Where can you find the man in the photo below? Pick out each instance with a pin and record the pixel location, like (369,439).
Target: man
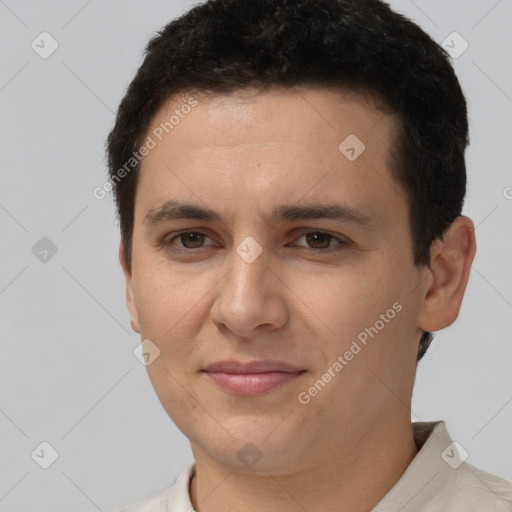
(289,177)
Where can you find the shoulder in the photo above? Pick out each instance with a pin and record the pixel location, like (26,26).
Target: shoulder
(156,502)
(470,489)
(440,479)
(173,498)
(461,487)
(457,486)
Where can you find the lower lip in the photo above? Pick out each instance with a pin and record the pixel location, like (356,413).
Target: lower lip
(251,384)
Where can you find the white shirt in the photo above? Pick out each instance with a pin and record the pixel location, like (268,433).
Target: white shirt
(437,480)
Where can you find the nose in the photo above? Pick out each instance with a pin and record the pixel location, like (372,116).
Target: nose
(250,299)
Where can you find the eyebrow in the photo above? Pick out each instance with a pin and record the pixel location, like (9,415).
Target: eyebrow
(175,210)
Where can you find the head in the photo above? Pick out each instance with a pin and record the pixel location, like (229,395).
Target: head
(261,119)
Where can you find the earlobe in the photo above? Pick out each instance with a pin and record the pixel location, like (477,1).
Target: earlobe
(450,264)
(130,301)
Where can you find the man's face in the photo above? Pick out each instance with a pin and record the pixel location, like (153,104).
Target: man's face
(264,163)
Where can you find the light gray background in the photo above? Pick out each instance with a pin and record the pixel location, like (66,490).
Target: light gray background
(68,375)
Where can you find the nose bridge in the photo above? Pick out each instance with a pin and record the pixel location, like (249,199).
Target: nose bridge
(245,284)
(247,297)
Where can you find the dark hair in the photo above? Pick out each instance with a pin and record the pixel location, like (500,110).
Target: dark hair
(225,45)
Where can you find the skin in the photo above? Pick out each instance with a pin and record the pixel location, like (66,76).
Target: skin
(242,155)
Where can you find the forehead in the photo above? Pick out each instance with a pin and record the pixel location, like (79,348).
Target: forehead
(292,115)
(296,141)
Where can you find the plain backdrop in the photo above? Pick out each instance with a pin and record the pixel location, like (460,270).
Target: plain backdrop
(68,375)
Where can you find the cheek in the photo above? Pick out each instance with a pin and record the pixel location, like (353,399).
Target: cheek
(342,303)
(168,305)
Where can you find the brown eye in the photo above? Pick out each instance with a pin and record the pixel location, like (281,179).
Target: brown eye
(188,243)
(191,239)
(318,240)
(321,242)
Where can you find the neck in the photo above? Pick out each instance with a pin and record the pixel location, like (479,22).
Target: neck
(358,478)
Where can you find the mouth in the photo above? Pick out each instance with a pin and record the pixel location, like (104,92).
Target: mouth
(252,378)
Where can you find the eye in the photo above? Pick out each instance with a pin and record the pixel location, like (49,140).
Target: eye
(187,240)
(315,242)
(319,241)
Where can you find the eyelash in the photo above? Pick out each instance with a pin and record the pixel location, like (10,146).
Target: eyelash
(167,243)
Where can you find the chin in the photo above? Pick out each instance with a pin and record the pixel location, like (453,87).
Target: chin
(252,445)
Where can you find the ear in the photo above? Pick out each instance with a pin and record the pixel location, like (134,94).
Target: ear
(450,263)
(130,302)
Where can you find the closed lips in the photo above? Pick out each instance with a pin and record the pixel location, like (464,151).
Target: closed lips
(252,367)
